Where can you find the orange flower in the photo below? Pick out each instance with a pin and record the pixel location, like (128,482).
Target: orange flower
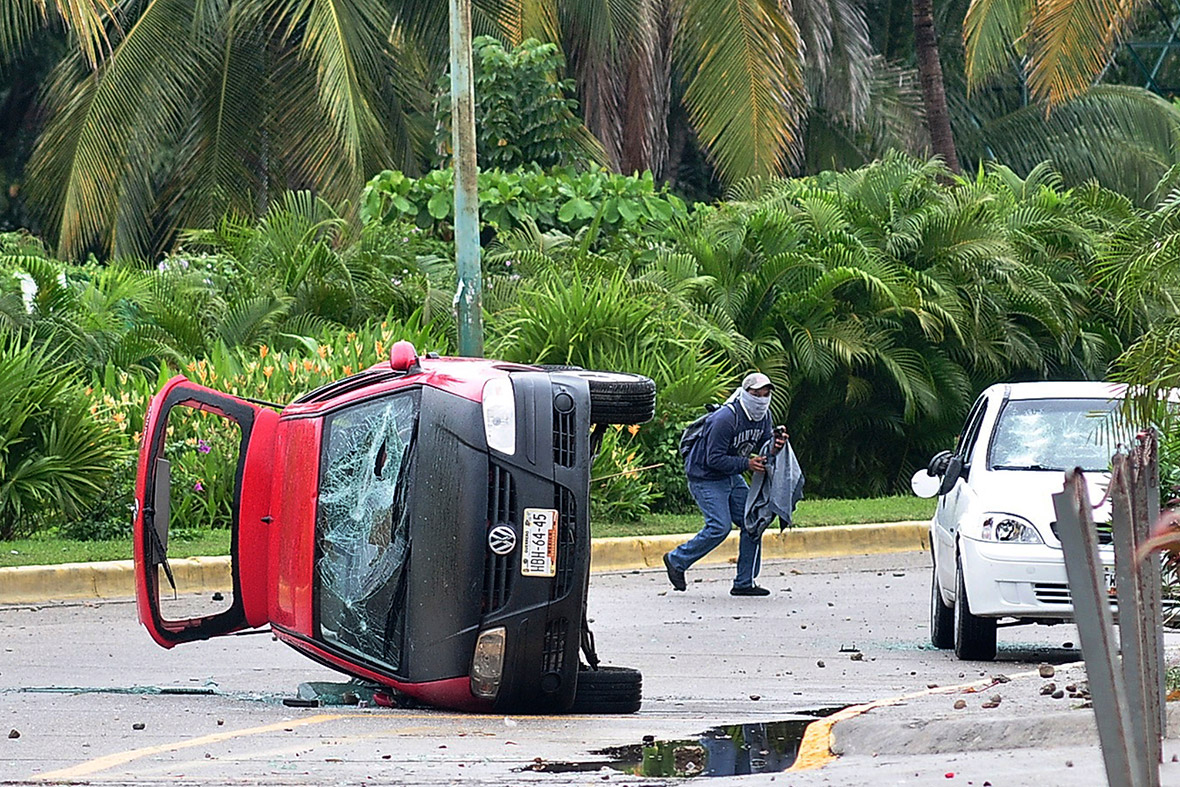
(308,366)
(263,351)
(347,369)
(633,429)
(291,367)
(268,371)
(322,351)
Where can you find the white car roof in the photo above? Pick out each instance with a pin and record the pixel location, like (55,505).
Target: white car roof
(1071,389)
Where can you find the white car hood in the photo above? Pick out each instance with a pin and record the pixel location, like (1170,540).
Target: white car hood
(1029,493)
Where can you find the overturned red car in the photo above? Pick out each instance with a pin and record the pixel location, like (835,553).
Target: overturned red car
(422,525)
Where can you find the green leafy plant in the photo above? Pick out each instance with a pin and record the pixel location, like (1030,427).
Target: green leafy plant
(620,489)
(54,454)
(522,113)
(625,210)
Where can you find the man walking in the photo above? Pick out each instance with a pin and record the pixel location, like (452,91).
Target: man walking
(714,466)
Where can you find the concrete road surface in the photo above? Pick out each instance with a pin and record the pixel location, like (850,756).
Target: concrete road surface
(89,698)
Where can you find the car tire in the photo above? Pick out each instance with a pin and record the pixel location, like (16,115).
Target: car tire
(608,690)
(942,617)
(975,637)
(620,398)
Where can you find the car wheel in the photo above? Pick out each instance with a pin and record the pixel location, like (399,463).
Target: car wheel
(619,398)
(608,690)
(975,637)
(942,617)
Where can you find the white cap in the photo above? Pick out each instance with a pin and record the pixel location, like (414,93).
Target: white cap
(756,380)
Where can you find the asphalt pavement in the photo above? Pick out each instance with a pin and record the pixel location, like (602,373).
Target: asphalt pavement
(93,700)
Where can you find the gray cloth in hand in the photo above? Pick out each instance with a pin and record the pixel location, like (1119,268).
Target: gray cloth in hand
(775,492)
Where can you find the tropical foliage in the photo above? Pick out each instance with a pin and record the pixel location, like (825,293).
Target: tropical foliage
(524,115)
(251,98)
(879,300)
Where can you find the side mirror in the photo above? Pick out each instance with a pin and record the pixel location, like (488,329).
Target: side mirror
(939,477)
(924,484)
(954,469)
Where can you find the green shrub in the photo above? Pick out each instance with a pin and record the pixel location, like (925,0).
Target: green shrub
(628,209)
(55,455)
(522,115)
(620,489)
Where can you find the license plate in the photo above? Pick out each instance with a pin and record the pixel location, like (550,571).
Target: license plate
(539,557)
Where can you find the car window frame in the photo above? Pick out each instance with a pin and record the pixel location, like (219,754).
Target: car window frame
(972,428)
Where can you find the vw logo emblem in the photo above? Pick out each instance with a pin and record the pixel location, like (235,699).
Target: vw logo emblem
(501,539)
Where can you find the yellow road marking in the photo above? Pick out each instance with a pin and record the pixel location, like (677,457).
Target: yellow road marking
(815,750)
(122,758)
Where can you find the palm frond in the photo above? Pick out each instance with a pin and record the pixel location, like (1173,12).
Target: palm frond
(1069,42)
(991,34)
(745,93)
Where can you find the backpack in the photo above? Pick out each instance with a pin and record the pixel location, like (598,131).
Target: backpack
(696,430)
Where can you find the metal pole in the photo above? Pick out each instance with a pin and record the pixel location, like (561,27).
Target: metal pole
(1091,605)
(469,295)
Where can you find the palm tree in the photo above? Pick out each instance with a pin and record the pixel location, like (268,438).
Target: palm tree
(933,90)
(170,113)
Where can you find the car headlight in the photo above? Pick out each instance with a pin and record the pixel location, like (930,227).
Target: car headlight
(487,665)
(499,415)
(1010,529)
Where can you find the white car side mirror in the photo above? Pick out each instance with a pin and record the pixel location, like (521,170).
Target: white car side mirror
(924,484)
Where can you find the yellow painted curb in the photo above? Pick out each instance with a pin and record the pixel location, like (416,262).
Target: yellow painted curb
(110,579)
(613,554)
(116,579)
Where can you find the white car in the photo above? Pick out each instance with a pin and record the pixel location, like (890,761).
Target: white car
(996,552)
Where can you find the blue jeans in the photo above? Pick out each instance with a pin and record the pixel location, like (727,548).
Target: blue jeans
(724,505)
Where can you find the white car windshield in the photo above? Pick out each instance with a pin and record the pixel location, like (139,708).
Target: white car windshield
(1056,434)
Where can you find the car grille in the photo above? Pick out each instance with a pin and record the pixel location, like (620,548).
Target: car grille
(565,444)
(1103,530)
(498,571)
(1052,592)
(1057,593)
(566,519)
(553,654)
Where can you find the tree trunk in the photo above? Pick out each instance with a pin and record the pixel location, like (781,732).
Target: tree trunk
(938,120)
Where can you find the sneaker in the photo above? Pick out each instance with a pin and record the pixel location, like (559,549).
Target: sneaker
(675,575)
(752,590)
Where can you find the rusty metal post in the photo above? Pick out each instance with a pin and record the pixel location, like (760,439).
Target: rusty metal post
(1132,625)
(1079,541)
(1145,503)
(469,295)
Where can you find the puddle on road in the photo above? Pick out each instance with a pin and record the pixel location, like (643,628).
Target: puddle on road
(725,750)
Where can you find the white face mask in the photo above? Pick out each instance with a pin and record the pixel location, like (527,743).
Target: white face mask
(756,407)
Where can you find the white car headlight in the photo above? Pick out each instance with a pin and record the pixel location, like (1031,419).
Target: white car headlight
(499,415)
(1010,529)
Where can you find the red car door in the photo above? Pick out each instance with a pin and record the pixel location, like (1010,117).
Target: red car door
(250,431)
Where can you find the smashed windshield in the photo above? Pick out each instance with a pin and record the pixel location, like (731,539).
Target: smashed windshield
(1056,434)
(362,526)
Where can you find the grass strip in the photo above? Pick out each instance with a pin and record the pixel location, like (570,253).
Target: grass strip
(47,549)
